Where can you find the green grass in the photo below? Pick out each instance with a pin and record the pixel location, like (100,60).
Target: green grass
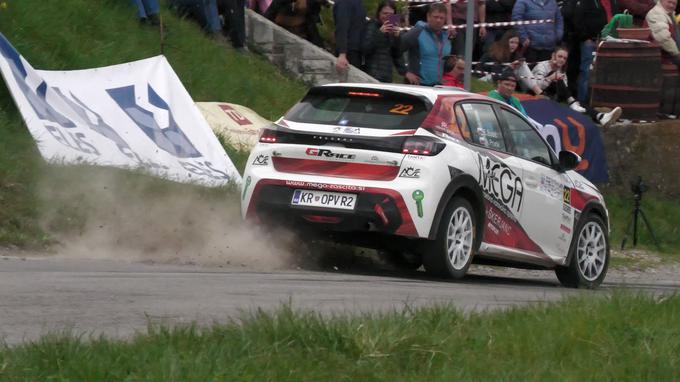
(620,337)
(77,34)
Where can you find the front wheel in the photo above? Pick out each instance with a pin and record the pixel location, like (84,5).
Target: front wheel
(450,254)
(589,257)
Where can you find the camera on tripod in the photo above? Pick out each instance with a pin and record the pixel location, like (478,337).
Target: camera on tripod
(637,187)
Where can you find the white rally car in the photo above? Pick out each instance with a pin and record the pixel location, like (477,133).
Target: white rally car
(437,177)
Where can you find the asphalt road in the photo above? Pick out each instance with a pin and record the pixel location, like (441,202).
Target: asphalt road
(43,294)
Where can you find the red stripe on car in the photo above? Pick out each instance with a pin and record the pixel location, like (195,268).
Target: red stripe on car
(336,169)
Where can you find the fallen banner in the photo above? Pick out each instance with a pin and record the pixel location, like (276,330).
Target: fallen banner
(238,124)
(136,115)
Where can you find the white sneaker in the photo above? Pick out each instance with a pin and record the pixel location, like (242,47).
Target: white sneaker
(608,118)
(575,106)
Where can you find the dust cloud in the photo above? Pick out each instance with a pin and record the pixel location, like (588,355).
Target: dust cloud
(97,213)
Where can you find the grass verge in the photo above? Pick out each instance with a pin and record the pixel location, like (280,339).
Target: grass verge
(619,337)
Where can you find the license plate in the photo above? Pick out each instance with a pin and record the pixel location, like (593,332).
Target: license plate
(324,199)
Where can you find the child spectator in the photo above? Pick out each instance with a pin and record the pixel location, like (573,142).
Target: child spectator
(454,68)
(381,45)
(504,53)
(551,77)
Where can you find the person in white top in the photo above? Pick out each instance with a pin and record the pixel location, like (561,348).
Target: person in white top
(551,77)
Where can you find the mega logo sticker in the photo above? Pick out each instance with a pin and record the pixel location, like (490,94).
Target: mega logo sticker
(500,183)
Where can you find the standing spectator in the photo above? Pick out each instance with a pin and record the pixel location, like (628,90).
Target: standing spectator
(203,11)
(665,31)
(234,15)
(506,83)
(298,17)
(381,44)
(454,68)
(539,40)
(147,11)
(551,77)
(637,8)
(350,18)
(588,17)
(497,11)
(506,53)
(459,16)
(427,43)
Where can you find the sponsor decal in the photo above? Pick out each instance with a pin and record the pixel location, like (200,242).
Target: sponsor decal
(566,218)
(415,157)
(374,158)
(500,183)
(351,130)
(566,195)
(563,237)
(497,221)
(276,154)
(493,228)
(324,186)
(410,172)
(392,162)
(551,187)
(566,208)
(235,115)
(245,187)
(565,229)
(418,196)
(328,153)
(261,160)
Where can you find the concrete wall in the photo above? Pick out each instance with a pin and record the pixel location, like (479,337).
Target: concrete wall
(295,55)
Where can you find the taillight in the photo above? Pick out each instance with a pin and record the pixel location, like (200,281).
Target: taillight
(422,146)
(268,135)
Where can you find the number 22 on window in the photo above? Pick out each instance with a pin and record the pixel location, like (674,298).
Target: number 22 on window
(401,109)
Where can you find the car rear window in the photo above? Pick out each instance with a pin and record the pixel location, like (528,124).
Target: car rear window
(360,107)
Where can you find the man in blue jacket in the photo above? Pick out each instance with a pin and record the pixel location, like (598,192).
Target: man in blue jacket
(538,40)
(427,43)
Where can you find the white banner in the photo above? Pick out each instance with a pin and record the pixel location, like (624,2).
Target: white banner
(238,124)
(135,115)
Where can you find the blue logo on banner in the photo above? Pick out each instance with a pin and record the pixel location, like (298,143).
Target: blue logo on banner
(171,139)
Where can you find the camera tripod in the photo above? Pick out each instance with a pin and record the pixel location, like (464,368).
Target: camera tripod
(633,223)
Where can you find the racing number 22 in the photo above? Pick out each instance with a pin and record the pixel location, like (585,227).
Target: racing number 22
(401,109)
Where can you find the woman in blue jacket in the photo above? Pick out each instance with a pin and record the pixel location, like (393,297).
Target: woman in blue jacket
(538,40)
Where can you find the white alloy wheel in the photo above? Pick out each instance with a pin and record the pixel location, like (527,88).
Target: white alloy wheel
(459,239)
(591,251)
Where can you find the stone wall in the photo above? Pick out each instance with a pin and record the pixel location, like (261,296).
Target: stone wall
(295,55)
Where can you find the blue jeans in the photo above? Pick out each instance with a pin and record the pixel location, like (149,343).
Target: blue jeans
(204,11)
(146,8)
(587,50)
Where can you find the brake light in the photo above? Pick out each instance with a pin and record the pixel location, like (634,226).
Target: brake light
(268,136)
(422,146)
(364,94)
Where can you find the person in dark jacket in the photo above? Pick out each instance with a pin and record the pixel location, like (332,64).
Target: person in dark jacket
(381,44)
(637,8)
(299,17)
(350,19)
(587,17)
(538,40)
(427,44)
(497,11)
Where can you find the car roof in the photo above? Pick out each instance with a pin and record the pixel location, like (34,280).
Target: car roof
(429,92)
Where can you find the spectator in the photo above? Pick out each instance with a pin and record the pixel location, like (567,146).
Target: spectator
(203,11)
(551,77)
(506,83)
(234,15)
(427,44)
(381,45)
(454,68)
(349,17)
(538,40)
(637,8)
(506,53)
(665,31)
(497,11)
(259,6)
(459,16)
(147,11)
(299,17)
(588,18)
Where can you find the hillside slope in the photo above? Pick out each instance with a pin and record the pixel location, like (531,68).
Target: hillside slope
(77,34)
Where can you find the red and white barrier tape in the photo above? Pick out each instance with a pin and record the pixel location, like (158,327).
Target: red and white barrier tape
(492,25)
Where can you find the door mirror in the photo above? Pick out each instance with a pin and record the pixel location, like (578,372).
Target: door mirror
(569,160)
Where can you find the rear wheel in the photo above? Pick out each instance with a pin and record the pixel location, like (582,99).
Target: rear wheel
(589,259)
(450,254)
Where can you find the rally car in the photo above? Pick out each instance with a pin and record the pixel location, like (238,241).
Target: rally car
(437,177)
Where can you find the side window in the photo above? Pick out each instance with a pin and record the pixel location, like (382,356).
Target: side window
(527,142)
(483,126)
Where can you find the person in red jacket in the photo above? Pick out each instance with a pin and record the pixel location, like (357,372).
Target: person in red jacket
(454,67)
(637,8)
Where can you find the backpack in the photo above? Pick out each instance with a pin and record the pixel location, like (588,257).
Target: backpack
(620,20)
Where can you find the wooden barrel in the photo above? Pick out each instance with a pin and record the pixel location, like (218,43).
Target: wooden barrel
(627,75)
(670,93)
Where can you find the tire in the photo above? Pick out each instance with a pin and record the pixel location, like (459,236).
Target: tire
(588,256)
(451,253)
(401,260)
